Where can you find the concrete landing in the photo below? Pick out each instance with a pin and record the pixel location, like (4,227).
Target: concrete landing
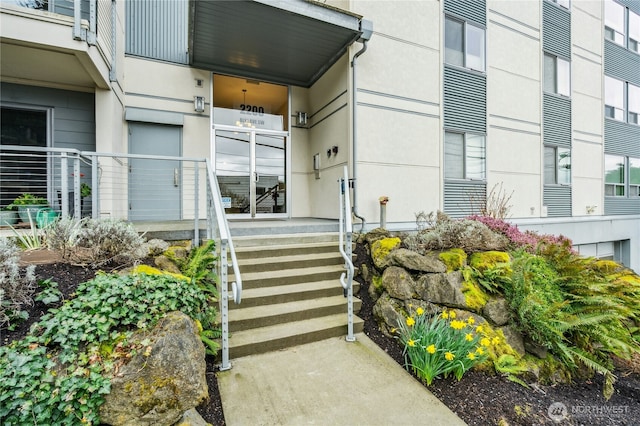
(331,382)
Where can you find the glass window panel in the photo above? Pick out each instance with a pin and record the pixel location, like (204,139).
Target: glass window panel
(475,157)
(614,169)
(634,100)
(564,77)
(634,30)
(453,42)
(634,171)
(614,19)
(549,165)
(564,166)
(549,73)
(453,155)
(475,48)
(614,96)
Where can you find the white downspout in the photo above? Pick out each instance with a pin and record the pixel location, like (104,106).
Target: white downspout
(355,135)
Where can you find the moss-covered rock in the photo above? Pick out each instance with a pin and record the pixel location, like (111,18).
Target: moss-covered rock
(398,283)
(380,250)
(150,270)
(454,259)
(474,296)
(416,262)
(488,259)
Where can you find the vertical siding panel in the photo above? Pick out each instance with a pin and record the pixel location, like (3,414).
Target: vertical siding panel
(556,34)
(557,120)
(558,200)
(463,198)
(621,63)
(158,29)
(104,28)
(472,10)
(465,100)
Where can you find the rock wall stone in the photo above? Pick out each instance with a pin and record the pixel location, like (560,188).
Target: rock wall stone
(157,389)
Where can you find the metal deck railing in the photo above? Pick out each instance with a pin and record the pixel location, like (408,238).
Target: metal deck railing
(132,187)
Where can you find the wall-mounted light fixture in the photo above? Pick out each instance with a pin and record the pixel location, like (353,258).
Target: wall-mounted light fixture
(198,103)
(301,118)
(334,149)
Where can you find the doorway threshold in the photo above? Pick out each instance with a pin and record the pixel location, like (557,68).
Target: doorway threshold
(298,225)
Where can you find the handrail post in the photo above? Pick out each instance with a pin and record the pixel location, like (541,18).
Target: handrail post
(345,250)
(224,305)
(77,213)
(196,206)
(95,188)
(64,185)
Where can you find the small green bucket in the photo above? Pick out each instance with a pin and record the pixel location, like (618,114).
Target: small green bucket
(45,217)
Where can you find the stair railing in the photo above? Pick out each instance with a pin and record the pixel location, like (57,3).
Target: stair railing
(217,225)
(345,239)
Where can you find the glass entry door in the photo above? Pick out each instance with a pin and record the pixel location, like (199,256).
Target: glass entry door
(251,166)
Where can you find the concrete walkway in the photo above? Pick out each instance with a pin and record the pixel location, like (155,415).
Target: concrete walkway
(331,382)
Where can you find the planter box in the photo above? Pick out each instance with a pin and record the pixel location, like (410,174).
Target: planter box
(30,209)
(8,217)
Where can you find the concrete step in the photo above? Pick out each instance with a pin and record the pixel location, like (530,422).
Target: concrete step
(291,292)
(275,337)
(266,315)
(290,276)
(284,239)
(279,263)
(253,252)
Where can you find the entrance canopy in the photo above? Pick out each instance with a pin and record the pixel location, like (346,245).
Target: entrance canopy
(290,42)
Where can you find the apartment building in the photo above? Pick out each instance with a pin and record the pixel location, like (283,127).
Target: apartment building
(434,104)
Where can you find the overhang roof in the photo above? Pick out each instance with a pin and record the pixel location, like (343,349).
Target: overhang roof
(282,41)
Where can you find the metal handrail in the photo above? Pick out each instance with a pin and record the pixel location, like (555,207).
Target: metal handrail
(345,245)
(226,244)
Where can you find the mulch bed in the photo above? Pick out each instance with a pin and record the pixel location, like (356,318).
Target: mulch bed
(479,398)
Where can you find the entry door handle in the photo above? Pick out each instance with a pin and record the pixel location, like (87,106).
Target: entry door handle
(175,177)
(256,177)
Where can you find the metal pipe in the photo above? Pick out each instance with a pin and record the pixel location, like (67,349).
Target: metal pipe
(355,133)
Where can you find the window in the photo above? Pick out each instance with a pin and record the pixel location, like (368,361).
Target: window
(634,177)
(464,156)
(614,22)
(557,75)
(557,165)
(634,103)
(634,32)
(620,21)
(613,98)
(614,176)
(617,96)
(464,44)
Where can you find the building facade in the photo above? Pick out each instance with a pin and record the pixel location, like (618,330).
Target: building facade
(437,105)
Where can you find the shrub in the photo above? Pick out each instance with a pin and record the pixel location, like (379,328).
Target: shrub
(468,235)
(60,372)
(110,241)
(527,240)
(437,345)
(16,289)
(63,235)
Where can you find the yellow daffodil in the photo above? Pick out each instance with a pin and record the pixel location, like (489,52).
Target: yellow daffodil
(458,325)
(419,311)
(471,356)
(452,315)
(410,321)
(411,342)
(485,342)
(470,321)
(431,349)
(444,315)
(449,356)
(468,337)
(480,351)
(495,341)
(393,330)
(479,329)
